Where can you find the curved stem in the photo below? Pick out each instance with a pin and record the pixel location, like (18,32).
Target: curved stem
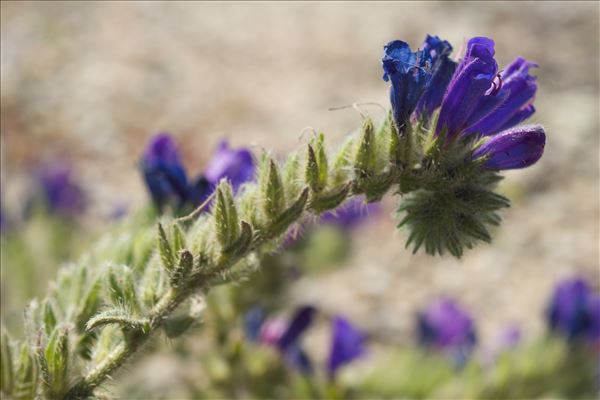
(176,295)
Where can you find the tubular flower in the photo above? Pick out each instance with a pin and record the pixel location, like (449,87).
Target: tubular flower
(517,88)
(574,311)
(445,326)
(236,165)
(441,72)
(514,148)
(465,100)
(347,344)
(283,335)
(62,194)
(408,73)
(163,171)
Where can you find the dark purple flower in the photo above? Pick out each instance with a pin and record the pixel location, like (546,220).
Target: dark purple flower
(408,73)
(514,148)
(518,88)
(466,93)
(441,72)
(283,335)
(444,325)
(574,311)
(481,101)
(235,165)
(350,213)
(347,344)
(61,192)
(163,172)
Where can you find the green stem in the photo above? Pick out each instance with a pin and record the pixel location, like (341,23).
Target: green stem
(175,296)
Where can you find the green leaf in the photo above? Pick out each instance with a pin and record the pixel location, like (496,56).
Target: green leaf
(184,266)
(6,364)
(312,173)
(122,288)
(273,194)
(57,361)
(364,161)
(90,304)
(49,317)
(225,215)
(178,239)
(165,250)
(26,378)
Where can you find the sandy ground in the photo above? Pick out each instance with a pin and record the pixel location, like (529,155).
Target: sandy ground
(89,82)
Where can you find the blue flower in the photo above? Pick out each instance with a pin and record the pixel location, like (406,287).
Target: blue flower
(408,73)
(284,335)
(444,325)
(481,101)
(514,148)
(465,100)
(237,165)
(574,311)
(347,344)
(517,88)
(62,194)
(441,72)
(163,172)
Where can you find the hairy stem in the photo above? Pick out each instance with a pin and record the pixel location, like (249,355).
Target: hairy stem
(373,186)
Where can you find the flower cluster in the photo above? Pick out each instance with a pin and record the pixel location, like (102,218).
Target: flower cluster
(167,180)
(347,342)
(574,311)
(473,97)
(444,325)
(61,193)
(456,125)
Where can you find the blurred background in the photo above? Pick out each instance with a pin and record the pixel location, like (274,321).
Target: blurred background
(89,83)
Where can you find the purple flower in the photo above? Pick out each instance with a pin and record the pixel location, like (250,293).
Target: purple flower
(481,101)
(518,89)
(514,148)
(441,72)
(445,326)
(284,335)
(235,165)
(163,172)
(468,97)
(350,213)
(61,192)
(574,311)
(408,73)
(347,344)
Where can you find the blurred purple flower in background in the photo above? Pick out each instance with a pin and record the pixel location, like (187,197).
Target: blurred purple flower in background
(574,311)
(351,213)
(518,147)
(166,178)
(347,344)
(163,172)
(445,326)
(283,335)
(61,193)
(237,165)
